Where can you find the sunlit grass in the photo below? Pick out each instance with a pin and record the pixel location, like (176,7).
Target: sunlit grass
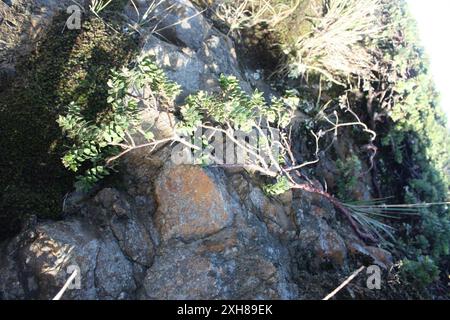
(369,213)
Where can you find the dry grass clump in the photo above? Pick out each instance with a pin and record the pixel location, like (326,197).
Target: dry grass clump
(250,13)
(338,43)
(333,38)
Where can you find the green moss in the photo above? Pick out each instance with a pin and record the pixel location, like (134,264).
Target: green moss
(347,179)
(73,65)
(421,272)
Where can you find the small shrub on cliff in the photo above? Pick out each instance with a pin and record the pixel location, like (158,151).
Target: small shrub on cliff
(95,141)
(269,153)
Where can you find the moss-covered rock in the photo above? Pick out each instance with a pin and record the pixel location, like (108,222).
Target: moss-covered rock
(67,65)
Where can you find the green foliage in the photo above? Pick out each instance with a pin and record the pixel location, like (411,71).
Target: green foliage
(234,108)
(94,142)
(421,272)
(349,171)
(280,110)
(416,144)
(281,186)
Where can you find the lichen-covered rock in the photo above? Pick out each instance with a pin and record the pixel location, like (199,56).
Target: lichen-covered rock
(117,249)
(220,269)
(179,273)
(191,204)
(323,243)
(319,243)
(373,255)
(274,214)
(128,230)
(238,260)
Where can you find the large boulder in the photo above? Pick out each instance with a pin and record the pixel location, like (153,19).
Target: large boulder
(191,204)
(213,247)
(191,51)
(200,243)
(200,238)
(196,70)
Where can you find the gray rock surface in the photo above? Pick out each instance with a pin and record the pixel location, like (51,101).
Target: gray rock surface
(199,69)
(191,51)
(200,238)
(104,240)
(209,247)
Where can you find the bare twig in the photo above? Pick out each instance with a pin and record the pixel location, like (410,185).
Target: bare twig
(346,282)
(66,285)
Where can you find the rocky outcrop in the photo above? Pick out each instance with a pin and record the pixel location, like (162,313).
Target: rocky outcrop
(199,238)
(185,232)
(200,243)
(106,241)
(196,69)
(212,246)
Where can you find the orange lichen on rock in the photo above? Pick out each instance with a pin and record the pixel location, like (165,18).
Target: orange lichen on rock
(191,205)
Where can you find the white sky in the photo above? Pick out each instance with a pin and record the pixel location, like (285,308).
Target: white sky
(434,27)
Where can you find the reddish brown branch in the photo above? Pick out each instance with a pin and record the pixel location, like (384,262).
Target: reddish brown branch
(365,236)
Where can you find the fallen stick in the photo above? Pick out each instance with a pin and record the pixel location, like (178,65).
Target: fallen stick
(332,294)
(66,285)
